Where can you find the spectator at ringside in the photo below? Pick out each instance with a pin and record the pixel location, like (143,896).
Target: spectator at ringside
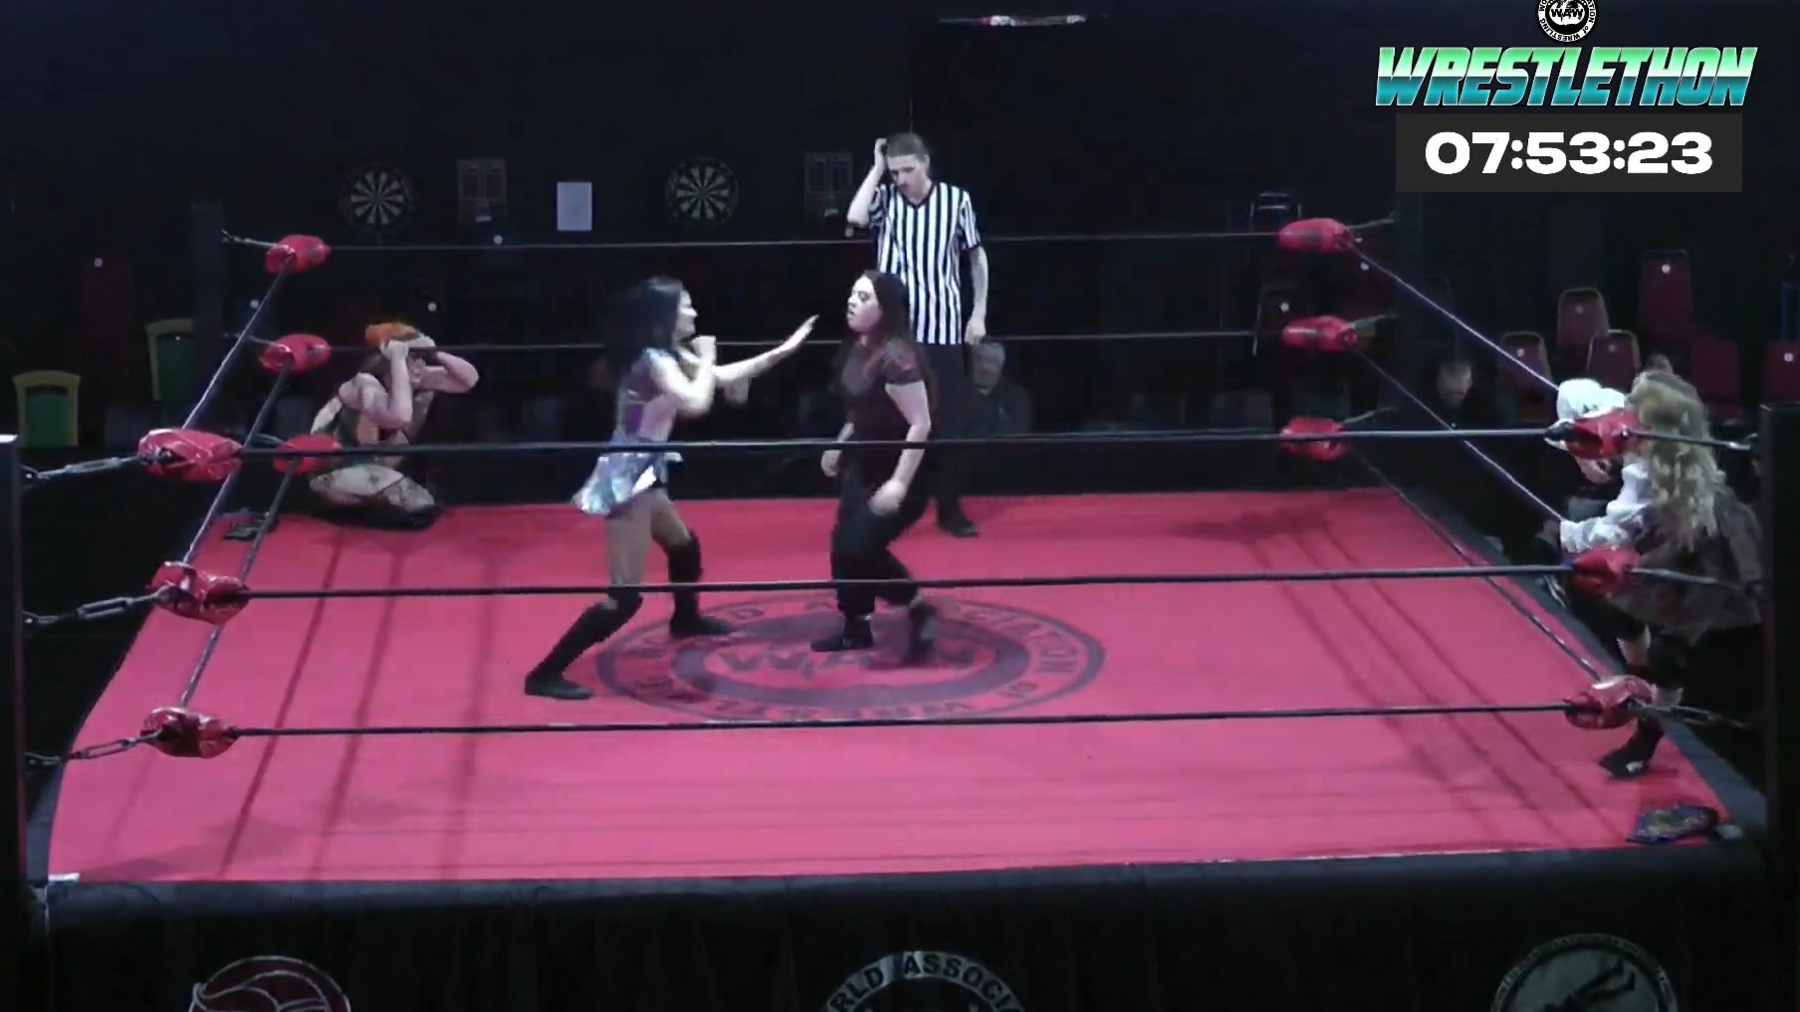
(1001,406)
(1456,400)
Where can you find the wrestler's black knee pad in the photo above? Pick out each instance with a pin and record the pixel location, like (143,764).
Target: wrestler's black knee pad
(684,561)
(625,603)
(608,616)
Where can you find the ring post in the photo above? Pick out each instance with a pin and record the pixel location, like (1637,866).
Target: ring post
(1779,440)
(14,939)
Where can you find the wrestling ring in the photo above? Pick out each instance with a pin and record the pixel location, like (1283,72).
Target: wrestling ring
(1247,701)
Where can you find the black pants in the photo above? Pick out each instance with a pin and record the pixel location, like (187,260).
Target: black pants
(861,540)
(950,420)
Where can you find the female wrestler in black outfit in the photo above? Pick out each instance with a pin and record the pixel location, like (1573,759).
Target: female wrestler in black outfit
(888,395)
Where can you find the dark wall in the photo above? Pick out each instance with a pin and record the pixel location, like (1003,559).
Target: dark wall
(1162,117)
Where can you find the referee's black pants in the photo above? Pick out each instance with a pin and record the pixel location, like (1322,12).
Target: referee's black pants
(950,420)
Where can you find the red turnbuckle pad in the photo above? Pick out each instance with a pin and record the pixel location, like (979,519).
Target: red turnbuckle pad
(1604,570)
(196,594)
(1611,703)
(1315,235)
(187,734)
(295,353)
(297,253)
(1601,436)
(306,442)
(188,454)
(1314,449)
(1321,333)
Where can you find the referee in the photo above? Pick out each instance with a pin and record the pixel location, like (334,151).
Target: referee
(923,231)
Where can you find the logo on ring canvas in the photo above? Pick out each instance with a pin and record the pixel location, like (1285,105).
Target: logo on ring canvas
(269,984)
(924,982)
(1587,972)
(989,659)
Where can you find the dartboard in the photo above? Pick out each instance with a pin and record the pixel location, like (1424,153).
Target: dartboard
(702,192)
(376,199)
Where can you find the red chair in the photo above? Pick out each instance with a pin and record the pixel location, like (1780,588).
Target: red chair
(1713,369)
(1781,372)
(1529,356)
(1580,320)
(1613,359)
(1666,301)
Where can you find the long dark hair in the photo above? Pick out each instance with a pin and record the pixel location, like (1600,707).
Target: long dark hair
(640,319)
(895,327)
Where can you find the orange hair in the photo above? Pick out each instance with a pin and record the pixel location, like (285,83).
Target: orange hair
(377,334)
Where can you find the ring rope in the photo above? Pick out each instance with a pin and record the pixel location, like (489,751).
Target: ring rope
(593,347)
(1683,714)
(1456,544)
(1197,436)
(949,583)
(113,607)
(238,344)
(216,507)
(1544,509)
(204,658)
(1406,286)
(1194,436)
(213,511)
(229,485)
(1000,240)
(995,720)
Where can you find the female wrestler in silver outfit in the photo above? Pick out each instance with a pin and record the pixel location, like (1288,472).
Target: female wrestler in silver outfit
(664,371)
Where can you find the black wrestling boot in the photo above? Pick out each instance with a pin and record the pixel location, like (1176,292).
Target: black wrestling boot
(921,633)
(1632,759)
(687,622)
(856,635)
(595,625)
(956,523)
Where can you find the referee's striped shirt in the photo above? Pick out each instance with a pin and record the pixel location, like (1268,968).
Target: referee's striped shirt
(922,244)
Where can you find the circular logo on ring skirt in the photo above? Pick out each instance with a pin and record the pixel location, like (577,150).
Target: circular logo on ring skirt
(989,659)
(269,984)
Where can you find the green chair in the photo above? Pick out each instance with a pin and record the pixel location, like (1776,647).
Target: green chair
(174,362)
(49,409)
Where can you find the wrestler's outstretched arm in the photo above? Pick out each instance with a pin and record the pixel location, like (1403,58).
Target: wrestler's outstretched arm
(750,368)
